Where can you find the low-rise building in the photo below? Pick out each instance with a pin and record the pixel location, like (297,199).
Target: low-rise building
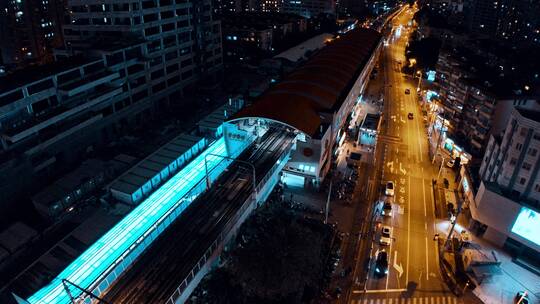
(250,34)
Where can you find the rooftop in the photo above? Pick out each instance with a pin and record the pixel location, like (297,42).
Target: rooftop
(529,114)
(297,53)
(319,86)
(257,20)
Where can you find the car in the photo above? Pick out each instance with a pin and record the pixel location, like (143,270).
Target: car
(407,91)
(450,163)
(521,298)
(410,115)
(387,209)
(386,236)
(389,188)
(381,264)
(465,237)
(451,211)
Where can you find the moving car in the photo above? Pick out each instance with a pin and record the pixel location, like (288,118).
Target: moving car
(410,116)
(386,235)
(389,188)
(407,91)
(387,209)
(381,264)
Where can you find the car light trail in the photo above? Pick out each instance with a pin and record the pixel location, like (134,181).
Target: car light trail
(131,230)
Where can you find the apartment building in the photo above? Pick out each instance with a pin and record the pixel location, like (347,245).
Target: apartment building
(451,90)
(309,8)
(29,30)
(123,62)
(510,186)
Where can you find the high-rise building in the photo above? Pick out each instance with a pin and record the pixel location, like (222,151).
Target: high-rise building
(509,194)
(511,20)
(483,16)
(309,8)
(123,62)
(519,22)
(29,29)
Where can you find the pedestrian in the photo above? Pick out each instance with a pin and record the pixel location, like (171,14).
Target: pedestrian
(292,197)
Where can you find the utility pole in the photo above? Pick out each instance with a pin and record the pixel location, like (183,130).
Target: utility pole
(419,73)
(449,237)
(231,159)
(440,168)
(328,201)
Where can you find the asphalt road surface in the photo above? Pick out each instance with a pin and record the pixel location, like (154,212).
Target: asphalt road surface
(413,275)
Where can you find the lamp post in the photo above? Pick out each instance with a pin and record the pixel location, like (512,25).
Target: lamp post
(419,73)
(232,159)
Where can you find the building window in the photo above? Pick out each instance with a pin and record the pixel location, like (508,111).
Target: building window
(519,146)
(536,136)
(523,131)
(513,161)
(526,166)
(522,181)
(537,187)
(532,152)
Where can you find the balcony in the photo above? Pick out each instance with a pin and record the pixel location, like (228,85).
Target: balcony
(57,115)
(87,83)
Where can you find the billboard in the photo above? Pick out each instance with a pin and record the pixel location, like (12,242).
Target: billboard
(527,225)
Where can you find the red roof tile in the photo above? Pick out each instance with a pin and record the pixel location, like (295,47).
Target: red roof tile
(318,85)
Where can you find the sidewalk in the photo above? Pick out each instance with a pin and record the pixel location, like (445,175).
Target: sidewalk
(500,288)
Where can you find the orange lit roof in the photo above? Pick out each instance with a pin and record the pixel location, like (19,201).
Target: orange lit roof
(317,86)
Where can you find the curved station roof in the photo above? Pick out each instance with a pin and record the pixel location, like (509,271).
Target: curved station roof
(320,85)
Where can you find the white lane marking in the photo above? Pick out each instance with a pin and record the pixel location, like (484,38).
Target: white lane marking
(389,256)
(427,261)
(380,290)
(424,194)
(408,229)
(419,139)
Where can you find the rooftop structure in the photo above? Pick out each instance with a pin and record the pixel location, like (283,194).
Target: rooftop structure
(318,98)
(298,52)
(320,86)
(103,261)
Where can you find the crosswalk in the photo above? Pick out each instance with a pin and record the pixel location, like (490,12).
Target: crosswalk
(389,138)
(417,300)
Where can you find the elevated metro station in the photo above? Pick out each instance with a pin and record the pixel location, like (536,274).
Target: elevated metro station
(319,99)
(294,129)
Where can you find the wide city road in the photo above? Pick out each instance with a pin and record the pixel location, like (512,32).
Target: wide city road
(413,273)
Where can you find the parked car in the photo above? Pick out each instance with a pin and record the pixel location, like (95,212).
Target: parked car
(386,235)
(387,209)
(381,264)
(407,91)
(389,191)
(450,163)
(465,237)
(410,116)
(451,211)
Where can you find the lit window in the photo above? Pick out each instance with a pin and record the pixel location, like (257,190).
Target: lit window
(301,167)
